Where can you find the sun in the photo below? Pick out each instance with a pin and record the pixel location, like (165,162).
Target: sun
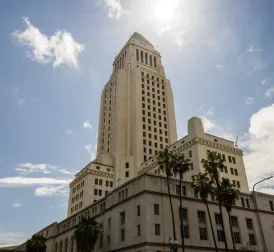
(164,10)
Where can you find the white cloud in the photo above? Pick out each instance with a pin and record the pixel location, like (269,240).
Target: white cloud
(269,94)
(28,168)
(249,100)
(89,148)
(115,9)
(27,181)
(161,30)
(58,49)
(264,81)
(50,191)
(69,132)
(11,238)
(87,125)
(17,204)
(209,125)
(259,143)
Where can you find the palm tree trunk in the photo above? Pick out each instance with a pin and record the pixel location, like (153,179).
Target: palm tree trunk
(222,218)
(212,230)
(231,232)
(171,207)
(181,215)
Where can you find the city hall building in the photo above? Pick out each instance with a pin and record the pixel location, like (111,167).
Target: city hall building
(125,191)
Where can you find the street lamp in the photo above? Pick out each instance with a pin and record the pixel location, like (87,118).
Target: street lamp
(257,211)
(173,244)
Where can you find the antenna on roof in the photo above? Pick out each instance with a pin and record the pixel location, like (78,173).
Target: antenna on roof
(236,142)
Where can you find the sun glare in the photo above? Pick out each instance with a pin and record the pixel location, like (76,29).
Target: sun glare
(164,10)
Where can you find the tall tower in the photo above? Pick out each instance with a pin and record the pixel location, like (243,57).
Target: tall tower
(137,116)
(137,119)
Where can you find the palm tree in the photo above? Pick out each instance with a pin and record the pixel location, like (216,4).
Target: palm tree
(203,185)
(227,195)
(212,165)
(86,234)
(37,243)
(180,165)
(164,160)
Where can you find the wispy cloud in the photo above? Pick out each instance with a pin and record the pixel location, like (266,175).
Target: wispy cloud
(17,204)
(87,125)
(28,181)
(269,93)
(46,191)
(60,48)
(91,150)
(219,66)
(28,168)
(249,100)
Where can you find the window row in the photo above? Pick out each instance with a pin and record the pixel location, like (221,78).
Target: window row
(122,194)
(146,58)
(76,207)
(80,185)
(100,182)
(120,62)
(230,158)
(78,196)
(99,192)
(153,78)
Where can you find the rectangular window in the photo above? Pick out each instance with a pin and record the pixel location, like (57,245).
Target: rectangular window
(146,59)
(100,181)
(225,169)
(218,219)
(190,154)
(243,202)
(156,209)
(142,57)
(95,191)
(157,229)
(96,181)
(236,172)
(123,234)
(234,221)
(127,165)
(229,159)
(238,184)
(203,233)
(155,62)
(137,54)
(233,160)
(127,174)
(138,210)
(271,205)
(223,157)
(111,184)
(150,60)
(232,171)
(138,230)
(249,224)
(252,239)
(201,216)
(108,239)
(109,223)
(122,218)
(184,190)
(237,238)
(221,236)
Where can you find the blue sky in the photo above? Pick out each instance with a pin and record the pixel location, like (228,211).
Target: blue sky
(56,57)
